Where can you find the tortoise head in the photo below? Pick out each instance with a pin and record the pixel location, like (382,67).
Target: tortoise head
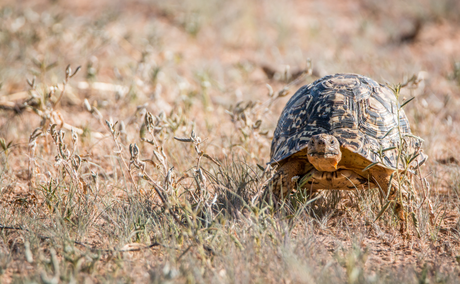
(324,152)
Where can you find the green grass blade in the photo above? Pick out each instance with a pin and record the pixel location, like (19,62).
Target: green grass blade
(406,102)
(388,132)
(385,207)
(413,136)
(370,166)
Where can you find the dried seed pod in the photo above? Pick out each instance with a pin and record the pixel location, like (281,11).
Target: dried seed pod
(134,151)
(148,121)
(74,136)
(182,139)
(270,90)
(87,105)
(257,124)
(76,162)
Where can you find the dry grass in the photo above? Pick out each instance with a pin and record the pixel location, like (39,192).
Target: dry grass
(119,199)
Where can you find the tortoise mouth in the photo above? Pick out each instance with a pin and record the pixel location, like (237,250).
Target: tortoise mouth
(323,154)
(325,161)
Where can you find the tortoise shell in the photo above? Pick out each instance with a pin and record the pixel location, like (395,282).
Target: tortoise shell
(355,109)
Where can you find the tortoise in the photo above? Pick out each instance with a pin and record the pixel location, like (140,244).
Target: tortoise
(341,132)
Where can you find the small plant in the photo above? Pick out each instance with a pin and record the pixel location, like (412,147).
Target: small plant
(6,146)
(456,72)
(409,158)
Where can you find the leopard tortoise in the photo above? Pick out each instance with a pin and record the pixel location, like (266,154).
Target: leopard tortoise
(336,127)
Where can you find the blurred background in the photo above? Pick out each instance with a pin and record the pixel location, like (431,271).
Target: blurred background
(202,57)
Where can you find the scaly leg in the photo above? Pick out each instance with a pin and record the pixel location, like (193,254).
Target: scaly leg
(284,181)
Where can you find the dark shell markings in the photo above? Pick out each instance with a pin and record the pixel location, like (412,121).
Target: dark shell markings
(355,109)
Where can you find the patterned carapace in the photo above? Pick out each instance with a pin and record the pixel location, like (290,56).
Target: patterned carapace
(355,109)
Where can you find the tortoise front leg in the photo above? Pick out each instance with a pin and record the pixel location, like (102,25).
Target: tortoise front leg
(284,181)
